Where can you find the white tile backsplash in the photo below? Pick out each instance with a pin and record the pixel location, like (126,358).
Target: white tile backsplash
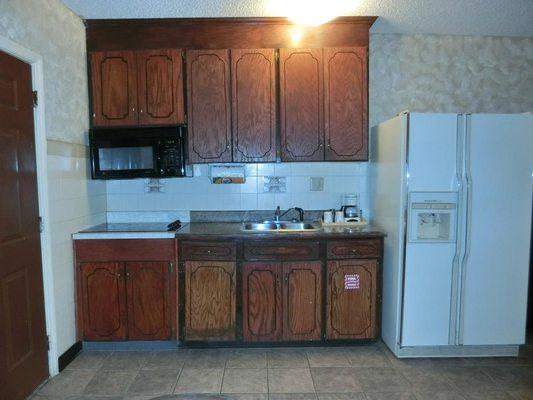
(198,193)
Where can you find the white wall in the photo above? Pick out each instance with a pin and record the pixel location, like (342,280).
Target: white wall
(51,30)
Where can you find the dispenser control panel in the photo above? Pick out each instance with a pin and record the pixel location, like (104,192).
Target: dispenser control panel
(432,216)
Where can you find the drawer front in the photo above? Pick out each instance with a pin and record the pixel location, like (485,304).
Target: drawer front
(209,251)
(339,249)
(288,250)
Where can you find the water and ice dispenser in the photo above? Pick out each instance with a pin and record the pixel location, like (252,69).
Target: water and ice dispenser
(432,216)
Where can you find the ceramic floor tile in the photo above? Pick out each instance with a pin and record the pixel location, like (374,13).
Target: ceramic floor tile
(335,380)
(110,383)
(487,395)
(206,380)
(390,396)
(211,358)
(427,379)
(511,377)
(245,381)
(67,383)
(341,396)
(470,378)
(88,360)
(290,380)
(171,359)
(521,394)
(382,380)
(287,359)
(125,361)
(292,396)
(367,357)
(94,397)
(245,396)
(447,395)
(161,381)
(249,358)
(327,357)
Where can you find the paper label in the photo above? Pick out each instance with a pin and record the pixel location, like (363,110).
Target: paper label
(351,282)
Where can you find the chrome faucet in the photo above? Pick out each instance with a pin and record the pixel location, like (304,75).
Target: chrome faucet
(278,214)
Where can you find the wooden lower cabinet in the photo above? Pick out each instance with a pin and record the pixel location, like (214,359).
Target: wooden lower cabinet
(352,299)
(126,300)
(210,300)
(148,298)
(289,311)
(262,303)
(103,301)
(301,301)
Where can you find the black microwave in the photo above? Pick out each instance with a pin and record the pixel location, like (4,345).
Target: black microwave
(123,153)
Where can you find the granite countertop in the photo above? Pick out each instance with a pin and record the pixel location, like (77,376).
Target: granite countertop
(126,231)
(213,230)
(233,230)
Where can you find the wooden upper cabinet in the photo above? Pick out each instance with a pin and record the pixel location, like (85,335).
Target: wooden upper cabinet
(148,287)
(210,300)
(302,300)
(351,299)
(253,88)
(209,107)
(262,301)
(346,103)
(301,104)
(103,296)
(160,87)
(114,88)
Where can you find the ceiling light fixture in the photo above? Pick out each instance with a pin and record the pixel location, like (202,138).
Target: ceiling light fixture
(312,12)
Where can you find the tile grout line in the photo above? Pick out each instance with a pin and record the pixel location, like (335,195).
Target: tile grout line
(310,373)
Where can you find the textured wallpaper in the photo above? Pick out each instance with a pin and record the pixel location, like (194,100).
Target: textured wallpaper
(449,74)
(50,29)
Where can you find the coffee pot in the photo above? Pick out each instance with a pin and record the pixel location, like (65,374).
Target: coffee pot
(350,207)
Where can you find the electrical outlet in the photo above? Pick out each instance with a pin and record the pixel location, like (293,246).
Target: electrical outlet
(316,184)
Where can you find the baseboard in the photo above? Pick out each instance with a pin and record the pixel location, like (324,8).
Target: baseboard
(68,356)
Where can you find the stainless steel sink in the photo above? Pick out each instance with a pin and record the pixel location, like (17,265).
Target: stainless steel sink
(280,226)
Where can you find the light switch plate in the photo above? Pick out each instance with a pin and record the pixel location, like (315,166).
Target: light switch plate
(316,184)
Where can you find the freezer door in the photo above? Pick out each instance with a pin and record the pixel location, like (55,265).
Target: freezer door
(499,166)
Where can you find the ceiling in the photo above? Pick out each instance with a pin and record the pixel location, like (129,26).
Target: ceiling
(458,17)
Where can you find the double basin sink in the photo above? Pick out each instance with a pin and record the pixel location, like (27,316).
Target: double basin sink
(281,226)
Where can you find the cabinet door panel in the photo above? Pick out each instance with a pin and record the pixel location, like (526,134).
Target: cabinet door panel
(253,86)
(345,99)
(262,304)
(351,297)
(160,87)
(301,101)
(148,286)
(104,301)
(209,108)
(302,305)
(114,88)
(209,300)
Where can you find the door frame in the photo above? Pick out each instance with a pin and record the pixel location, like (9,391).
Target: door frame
(36,62)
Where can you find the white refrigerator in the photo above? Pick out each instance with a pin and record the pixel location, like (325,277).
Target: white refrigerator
(454,194)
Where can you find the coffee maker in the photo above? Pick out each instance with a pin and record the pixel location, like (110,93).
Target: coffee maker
(350,208)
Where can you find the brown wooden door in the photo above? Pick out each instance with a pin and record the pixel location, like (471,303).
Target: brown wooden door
(262,302)
(345,103)
(209,300)
(114,88)
(253,88)
(301,104)
(351,299)
(301,300)
(160,87)
(148,298)
(208,105)
(104,301)
(23,353)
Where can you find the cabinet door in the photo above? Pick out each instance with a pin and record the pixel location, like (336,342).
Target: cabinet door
(301,101)
(208,104)
(345,103)
(209,300)
(253,87)
(262,304)
(351,299)
(148,287)
(160,87)
(301,300)
(103,301)
(114,88)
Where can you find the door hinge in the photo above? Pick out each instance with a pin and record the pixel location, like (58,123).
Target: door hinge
(41,225)
(170,267)
(35,98)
